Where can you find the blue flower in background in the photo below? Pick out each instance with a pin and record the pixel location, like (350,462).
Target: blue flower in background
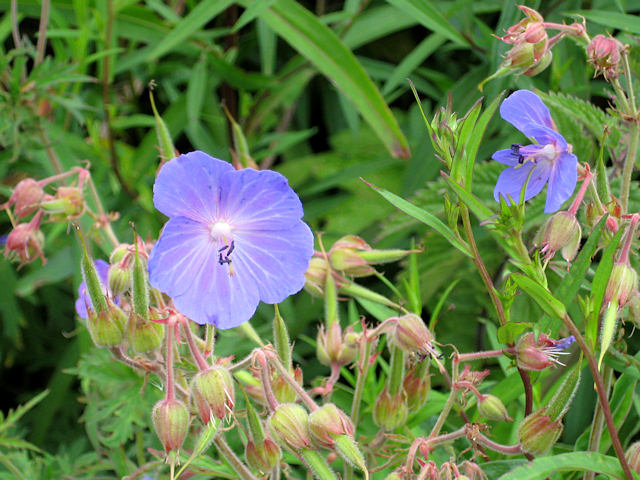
(83,300)
(234,238)
(550,161)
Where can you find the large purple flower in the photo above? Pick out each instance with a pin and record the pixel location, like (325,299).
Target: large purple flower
(234,237)
(549,161)
(83,301)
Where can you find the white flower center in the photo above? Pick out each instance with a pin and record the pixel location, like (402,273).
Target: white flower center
(548,152)
(221,231)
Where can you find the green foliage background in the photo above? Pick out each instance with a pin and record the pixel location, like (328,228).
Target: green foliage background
(319,90)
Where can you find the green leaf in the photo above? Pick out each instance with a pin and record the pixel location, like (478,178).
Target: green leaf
(543,467)
(319,44)
(620,21)
(428,15)
(425,217)
(545,300)
(14,415)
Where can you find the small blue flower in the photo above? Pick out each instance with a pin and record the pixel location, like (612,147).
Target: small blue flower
(234,238)
(549,161)
(83,299)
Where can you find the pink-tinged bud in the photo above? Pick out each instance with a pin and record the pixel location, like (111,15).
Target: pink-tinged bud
(106,328)
(633,456)
(541,64)
(143,335)
(344,256)
(213,393)
(289,425)
(412,335)
(472,471)
(429,471)
(417,386)
(315,276)
(538,433)
(538,354)
(390,412)
(605,53)
(492,408)
(171,421)
(623,284)
(334,348)
(282,390)
(263,457)
(67,203)
(26,243)
(26,197)
(561,232)
(327,423)
(393,476)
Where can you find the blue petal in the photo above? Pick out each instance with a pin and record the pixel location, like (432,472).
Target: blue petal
(189,186)
(545,136)
(512,180)
(506,157)
(184,265)
(562,181)
(276,261)
(524,107)
(83,300)
(259,200)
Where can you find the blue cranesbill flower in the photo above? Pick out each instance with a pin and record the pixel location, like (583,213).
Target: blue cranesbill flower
(234,238)
(83,301)
(549,161)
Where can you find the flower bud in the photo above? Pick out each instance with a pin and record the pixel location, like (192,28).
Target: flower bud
(623,284)
(492,408)
(472,471)
(390,412)
(393,476)
(344,256)
(213,393)
(633,456)
(105,329)
(561,232)
(26,197)
(332,346)
(604,53)
(25,243)
(538,433)
(119,278)
(263,456)
(282,390)
(537,354)
(289,425)
(417,385)
(171,421)
(315,276)
(67,203)
(143,335)
(327,423)
(412,335)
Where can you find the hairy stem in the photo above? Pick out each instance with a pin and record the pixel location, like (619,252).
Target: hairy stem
(42,31)
(629,163)
(229,455)
(597,426)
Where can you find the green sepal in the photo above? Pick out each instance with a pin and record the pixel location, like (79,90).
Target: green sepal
(91,279)
(318,465)
(140,289)
(348,449)
(561,400)
(167,150)
(281,339)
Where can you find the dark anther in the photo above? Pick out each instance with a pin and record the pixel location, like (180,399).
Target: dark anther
(223,248)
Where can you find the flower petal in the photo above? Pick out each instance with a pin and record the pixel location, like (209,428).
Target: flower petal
(276,261)
(506,157)
(545,136)
(512,180)
(523,107)
(259,200)
(189,186)
(562,181)
(184,265)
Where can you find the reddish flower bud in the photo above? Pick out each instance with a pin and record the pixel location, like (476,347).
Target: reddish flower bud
(604,53)
(417,385)
(412,335)
(315,276)
(537,354)
(26,197)
(492,408)
(171,421)
(213,393)
(538,433)
(289,425)
(328,422)
(67,203)
(472,471)
(390,412)
(561,232)
(633,456)
(143,335)
(333,347)
(263,456)
(623,284)
(25,242)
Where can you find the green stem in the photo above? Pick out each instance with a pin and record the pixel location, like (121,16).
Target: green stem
(363,371)
(444,413)
(597,426)
(396,371)
(229,455)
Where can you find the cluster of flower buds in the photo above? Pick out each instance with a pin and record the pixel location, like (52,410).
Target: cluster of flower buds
(25,242)
(335,347)
(530,53)
(605,54)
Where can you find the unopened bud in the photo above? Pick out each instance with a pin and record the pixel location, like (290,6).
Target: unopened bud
(328,422)
(390,412)
(492,408)
(119,279)
(623,284)
(344,256)
(263,456)
(561,232)
(417,385)
(333,348)
(25,243)
(472,471)
(213,392)
(633,456)
(315,276)
(537,354)
(538,433)
(412,335)
(289,425)
(105,329)
(26,197)
(143,335)
(171,421)
(282,390)
(67,203)
(604,53)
